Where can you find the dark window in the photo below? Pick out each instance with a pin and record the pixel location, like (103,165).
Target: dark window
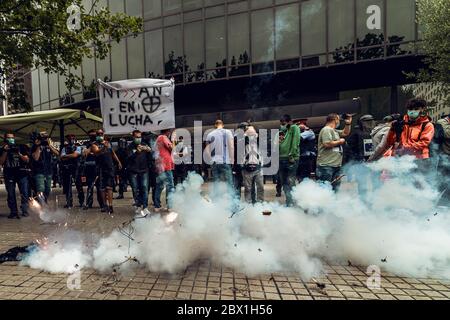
(313,27)
(154,54)
(239,46)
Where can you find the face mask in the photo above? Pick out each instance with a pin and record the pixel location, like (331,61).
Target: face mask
(283,128)
(413,114)
(11,141)
(137,140)
(100,139)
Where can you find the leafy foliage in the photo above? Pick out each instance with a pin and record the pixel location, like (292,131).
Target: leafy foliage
(434,19)
(35,34)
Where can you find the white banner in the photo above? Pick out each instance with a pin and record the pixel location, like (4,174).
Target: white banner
(137,104)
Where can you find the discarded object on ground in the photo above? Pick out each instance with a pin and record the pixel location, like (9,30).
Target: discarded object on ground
(16,253)
(320,285)
(266,213)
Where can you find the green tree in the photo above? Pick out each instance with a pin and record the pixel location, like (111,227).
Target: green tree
(38,33)
(434,20)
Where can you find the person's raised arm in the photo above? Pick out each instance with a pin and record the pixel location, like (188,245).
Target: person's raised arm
(348,128)
(328,142)
(94,149)
(24,157)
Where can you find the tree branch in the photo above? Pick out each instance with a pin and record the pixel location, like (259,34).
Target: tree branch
(15,7)
(24,31)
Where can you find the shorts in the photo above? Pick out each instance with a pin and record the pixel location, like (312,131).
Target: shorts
(106,180)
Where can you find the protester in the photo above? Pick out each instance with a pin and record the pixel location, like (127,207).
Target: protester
(289,156)
(238,139)
(330,147)
(277,179)
(70,164)
(41,161)
(443,140)
(137,168)
(105,157)
(15,161)
(150,139)
(164,168)
(379,136)
(308,152)
(252,168)
(182,160)
(121,175)
(90,172)
(413,134)
(220,150)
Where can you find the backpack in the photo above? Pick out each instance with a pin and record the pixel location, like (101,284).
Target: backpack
(252,160)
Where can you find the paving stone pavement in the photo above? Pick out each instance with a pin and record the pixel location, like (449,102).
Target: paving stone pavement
(200,281)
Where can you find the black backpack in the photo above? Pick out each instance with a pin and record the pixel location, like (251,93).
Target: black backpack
(439,134)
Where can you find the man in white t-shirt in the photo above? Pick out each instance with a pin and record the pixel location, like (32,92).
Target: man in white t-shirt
(220,150)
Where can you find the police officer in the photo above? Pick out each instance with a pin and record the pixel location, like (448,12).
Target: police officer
(70,160)
(89,171)
(15,159)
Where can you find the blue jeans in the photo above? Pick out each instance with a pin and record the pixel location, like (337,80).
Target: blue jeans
(43,183)
(288,179)
(326,173)
(164,179)
(10,185)
(139,187)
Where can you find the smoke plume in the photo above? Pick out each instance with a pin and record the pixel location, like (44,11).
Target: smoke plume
(395,223)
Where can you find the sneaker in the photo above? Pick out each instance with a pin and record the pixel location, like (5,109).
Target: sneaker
(85,208)
(25,214)
(145,212)
(157,210)
(104,209)
(13,216)
(68,206)
(110,210)
(278,195)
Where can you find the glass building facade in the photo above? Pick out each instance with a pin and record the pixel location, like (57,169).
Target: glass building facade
(198,41)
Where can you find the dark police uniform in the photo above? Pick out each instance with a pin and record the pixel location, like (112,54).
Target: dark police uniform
(15,172)
(69,170)
(89,170)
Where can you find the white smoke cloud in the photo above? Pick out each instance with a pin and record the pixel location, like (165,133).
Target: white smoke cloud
(399,220)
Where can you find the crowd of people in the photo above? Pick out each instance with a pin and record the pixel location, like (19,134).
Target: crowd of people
(146,162)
